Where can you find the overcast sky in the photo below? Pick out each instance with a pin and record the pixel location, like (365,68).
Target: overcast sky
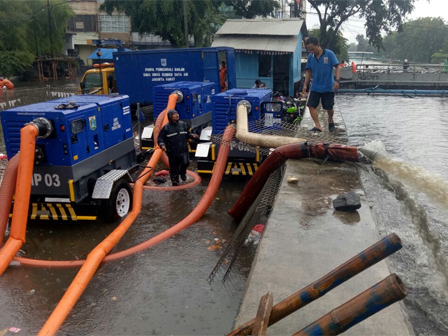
(355,26)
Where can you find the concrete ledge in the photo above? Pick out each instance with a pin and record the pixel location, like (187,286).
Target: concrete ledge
(305,238)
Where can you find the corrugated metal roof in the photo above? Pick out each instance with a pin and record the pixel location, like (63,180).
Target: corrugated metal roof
(278,27)
(264,43)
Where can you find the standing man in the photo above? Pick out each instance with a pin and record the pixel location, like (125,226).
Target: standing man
(320,66)
(173,139)
(223,76)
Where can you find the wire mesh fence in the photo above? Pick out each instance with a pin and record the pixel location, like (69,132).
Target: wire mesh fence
(21,97)
(293,130)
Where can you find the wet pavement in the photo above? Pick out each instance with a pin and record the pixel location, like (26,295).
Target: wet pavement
(162,290)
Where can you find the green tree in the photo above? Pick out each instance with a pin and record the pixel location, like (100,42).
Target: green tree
(340,48)
(24,29)
(165,18)
(249,9)
(363,44)
(380,15)
(418,41)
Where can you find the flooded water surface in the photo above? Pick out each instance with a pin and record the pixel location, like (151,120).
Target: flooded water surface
(160,291)
(407,193)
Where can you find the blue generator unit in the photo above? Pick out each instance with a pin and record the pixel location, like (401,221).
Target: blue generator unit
(89,144)
(225,104)
(196,106)
(243,159)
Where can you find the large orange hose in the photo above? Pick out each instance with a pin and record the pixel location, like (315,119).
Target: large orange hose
(199,210)
(17,235)
(97,255)
(220,164)
(162,120)
(7,190)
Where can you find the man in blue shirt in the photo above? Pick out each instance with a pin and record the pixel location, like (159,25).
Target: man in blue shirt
(320,66)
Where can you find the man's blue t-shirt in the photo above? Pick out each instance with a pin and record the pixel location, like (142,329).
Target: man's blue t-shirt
(322,70)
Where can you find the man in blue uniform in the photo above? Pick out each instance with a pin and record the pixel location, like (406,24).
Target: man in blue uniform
(320,66)
(173,139)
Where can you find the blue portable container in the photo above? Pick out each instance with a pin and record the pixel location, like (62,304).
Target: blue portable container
(225,105)
(196,107)
(92,134)
(137,72)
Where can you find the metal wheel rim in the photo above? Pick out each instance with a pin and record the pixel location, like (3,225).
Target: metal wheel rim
(123,202)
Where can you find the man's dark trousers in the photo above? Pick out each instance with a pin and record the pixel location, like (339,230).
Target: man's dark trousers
(178,166)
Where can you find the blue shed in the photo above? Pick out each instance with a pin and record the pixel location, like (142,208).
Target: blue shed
(266,49)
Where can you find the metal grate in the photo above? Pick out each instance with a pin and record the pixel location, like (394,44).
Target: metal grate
(21,97)
(259,209)
(294,131)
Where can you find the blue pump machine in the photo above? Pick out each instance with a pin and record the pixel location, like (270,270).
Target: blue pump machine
(243,160)
(91,135)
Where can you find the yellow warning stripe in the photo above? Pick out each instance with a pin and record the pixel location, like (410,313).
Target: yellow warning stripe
(72,191)
(54,214)
(72,212)
(52,208)
(62,211)
(229,165)
(257,157)
(86,217)
(213,152)
(249,168)
(44,217)
(243,170)
(34,211)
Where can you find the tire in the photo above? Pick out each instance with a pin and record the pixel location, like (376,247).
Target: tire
(120,202)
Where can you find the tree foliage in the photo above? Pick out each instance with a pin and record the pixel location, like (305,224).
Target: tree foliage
(418,41)
(380,16)
(340,47)
(363,44)
(249,9)
(24,29)
(165,18)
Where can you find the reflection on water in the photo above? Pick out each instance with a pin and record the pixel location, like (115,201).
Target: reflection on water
(408,195)
(159,291)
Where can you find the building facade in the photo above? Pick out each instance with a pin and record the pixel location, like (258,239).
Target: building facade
(266,49)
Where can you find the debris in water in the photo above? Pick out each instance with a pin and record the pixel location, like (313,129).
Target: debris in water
(254,235)
(293,179)
(14,329)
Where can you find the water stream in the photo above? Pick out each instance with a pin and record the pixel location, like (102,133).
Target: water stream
(407,190)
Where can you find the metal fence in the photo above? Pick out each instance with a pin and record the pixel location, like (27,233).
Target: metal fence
(21,97)
(399,68)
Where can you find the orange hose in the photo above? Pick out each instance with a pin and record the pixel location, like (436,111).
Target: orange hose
(97,255)
(162,120)
(217,173)
(199,210)
(197,180)
(7,190)
(23,190)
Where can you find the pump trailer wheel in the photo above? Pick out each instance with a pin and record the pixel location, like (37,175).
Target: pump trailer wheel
(119,203)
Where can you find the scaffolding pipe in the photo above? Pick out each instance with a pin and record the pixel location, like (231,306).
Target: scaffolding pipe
(362,261)
(361,307)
